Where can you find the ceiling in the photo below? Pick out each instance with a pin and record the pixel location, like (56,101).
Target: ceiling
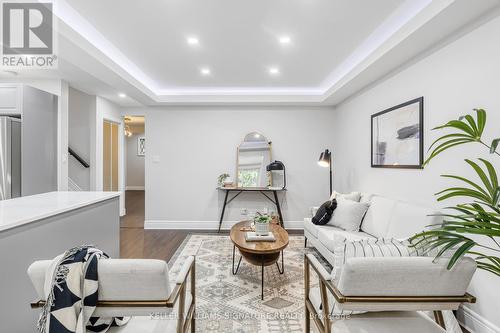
(141,51)
(238,40)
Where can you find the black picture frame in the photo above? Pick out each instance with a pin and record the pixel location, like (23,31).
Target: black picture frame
(420,101)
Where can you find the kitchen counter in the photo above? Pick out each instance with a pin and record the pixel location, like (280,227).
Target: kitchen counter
(41,227)
(20,211)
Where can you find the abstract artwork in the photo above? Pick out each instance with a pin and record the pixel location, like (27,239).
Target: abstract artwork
(397,136)
(141,146)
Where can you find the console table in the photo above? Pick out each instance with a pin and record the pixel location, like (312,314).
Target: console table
(262,190)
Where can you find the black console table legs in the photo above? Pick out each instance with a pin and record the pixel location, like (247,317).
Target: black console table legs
(274,200)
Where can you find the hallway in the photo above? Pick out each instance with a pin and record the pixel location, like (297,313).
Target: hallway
(135,242)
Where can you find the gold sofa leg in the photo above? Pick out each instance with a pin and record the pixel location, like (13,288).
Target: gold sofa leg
(306,295)
(438,316)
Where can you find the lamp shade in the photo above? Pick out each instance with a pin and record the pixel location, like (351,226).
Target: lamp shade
(276,165)
(325,158)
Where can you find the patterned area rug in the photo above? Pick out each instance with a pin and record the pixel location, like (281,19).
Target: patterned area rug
(232,303)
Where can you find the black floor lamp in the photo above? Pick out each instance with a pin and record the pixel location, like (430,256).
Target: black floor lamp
(325,161)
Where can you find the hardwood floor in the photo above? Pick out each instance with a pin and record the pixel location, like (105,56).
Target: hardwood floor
(135,242)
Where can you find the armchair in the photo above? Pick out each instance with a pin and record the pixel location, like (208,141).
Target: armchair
(392,289)
(139,288)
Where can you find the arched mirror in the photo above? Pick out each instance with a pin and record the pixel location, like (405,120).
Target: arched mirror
(254,154)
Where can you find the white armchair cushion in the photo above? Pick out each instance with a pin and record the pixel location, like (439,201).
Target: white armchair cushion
(405,276)
(345,249)
(348,214)
(119,279)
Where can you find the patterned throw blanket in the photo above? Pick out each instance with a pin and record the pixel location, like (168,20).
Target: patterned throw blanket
(71,293)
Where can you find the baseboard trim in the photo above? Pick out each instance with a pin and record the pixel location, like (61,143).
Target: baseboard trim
(206,225)
(134,188)
(474,322)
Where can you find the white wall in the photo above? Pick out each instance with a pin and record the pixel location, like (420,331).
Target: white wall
(106,110)
(81,107)
(454,80)
(134,164)
(195,145)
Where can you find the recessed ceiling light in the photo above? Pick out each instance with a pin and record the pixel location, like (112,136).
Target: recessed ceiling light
(122,95)
(284,40)
(274,70)
(193,41)
(205,71)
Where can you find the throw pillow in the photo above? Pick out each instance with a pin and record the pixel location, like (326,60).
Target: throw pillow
(354,196)
(324,213)
(348,215)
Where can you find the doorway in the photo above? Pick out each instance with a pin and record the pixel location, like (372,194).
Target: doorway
(110,156)
(135,153)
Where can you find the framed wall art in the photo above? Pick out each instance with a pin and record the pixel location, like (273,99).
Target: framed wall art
(141,146)
(397,136)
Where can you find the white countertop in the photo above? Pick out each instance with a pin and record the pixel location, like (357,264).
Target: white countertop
(19,211)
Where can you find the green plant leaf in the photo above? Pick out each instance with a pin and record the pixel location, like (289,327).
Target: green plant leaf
(462,192)
(461,126)
(472,124)
(462,250)
(482,176)
(491,172)
(443,148)
(479,188)
(481,120)
(494,145)
(453,135)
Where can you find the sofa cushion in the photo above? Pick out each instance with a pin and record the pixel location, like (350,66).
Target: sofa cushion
(311,227)
(366,197)
(348,214)
(408,219)
(354,196)
(378,216)
(327,234)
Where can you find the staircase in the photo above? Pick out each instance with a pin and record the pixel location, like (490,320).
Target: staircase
(72,186)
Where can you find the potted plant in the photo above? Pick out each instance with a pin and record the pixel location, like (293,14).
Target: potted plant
(471,228)
(221,179)
(261,222)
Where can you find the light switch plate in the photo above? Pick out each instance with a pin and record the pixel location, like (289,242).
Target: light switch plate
(156,158)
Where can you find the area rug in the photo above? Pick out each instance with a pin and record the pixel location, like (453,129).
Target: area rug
(232,303)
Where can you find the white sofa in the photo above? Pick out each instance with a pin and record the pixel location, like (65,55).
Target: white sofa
(387,218)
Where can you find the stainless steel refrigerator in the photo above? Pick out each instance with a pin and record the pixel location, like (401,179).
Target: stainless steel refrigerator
(10,157)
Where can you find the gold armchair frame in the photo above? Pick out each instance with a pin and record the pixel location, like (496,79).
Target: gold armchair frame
(178,294)
(327,285)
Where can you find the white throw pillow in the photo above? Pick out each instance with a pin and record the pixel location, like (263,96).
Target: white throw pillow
(354,196)
(348,214)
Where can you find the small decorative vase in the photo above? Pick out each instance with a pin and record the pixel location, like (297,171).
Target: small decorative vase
(261,229)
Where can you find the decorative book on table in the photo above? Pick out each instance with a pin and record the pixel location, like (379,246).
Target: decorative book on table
(251,236)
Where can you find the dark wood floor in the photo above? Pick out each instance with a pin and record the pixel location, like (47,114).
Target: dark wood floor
(135,242)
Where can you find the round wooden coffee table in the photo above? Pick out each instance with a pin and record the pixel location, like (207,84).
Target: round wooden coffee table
(259,253)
